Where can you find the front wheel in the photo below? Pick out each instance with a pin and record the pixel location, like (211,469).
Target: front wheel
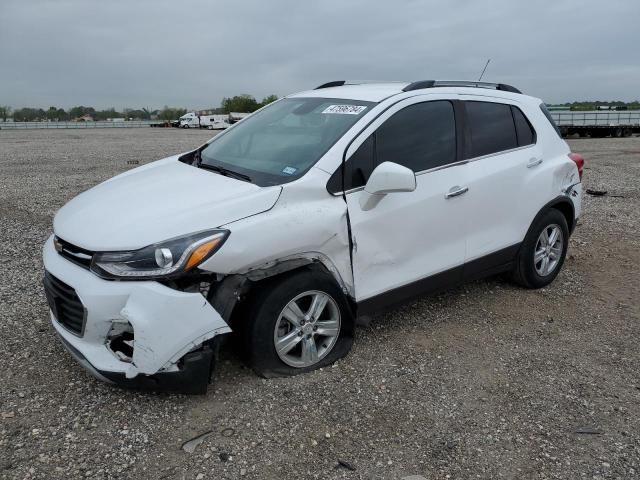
(543,251)
(296,325)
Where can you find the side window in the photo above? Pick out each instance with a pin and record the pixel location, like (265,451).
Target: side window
(524,130)
(491,128)
(420,136)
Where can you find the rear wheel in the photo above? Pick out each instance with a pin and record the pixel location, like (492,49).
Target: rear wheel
(296,325)
(543,251)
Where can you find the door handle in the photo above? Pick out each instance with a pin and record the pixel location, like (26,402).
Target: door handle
(456,192)
(534,162)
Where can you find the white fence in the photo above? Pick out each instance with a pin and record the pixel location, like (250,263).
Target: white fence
(105,124)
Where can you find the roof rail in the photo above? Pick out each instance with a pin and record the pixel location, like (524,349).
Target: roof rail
(340,83)
(458,83)
(336,83)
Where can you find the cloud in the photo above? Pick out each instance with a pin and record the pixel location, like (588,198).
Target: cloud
(149,53)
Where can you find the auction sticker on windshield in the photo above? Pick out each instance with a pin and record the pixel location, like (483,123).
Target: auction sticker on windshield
(345,109)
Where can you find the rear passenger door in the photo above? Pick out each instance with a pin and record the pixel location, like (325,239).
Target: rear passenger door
(500,146)
(410,236)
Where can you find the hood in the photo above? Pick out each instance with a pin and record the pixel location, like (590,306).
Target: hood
(157,202)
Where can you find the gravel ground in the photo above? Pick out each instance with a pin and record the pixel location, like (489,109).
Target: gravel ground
(485,381)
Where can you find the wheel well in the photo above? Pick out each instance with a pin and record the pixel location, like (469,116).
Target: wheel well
(252,287)
(564,206)
(567,210)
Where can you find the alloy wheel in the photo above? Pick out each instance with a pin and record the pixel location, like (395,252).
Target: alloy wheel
(307,329)
(548,251)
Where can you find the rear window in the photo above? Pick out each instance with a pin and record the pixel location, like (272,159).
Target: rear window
(547,114)
(491,128)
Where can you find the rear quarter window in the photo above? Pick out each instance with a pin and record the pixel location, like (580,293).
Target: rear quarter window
(524,130)
(547,114)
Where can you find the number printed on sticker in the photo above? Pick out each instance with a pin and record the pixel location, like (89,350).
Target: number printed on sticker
(345,109)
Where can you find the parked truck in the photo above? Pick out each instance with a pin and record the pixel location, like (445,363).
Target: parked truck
(598,124)
(211,122)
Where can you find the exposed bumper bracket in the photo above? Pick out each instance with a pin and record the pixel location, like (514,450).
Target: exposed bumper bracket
(195,374)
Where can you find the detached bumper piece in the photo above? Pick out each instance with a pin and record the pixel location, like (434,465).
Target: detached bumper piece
(194,376)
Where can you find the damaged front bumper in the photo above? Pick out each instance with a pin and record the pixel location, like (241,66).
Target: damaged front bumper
(134,333)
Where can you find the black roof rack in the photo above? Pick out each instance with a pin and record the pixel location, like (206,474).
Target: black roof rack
(419,85)
(337,83)
(458,83)
(340,83)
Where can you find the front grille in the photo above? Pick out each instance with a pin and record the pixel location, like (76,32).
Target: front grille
(65,304)
(74,254)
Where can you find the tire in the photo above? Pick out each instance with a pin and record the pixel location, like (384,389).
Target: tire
(627,132)
(529,273)
(617,133)
(258,333)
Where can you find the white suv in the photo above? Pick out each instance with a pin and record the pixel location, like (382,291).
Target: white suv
(319,208)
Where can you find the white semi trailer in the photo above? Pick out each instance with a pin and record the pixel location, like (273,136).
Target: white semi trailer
(212,122)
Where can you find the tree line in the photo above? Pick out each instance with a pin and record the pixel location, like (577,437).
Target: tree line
(53,114)
(245,103)
(240,103)
(593,105)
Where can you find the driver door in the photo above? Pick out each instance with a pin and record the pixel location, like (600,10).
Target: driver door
(410,242)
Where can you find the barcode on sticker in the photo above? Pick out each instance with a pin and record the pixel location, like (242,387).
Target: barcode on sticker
(345,109)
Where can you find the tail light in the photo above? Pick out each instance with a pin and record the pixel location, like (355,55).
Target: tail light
(579,161)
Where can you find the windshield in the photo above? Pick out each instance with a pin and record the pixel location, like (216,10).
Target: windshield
(281,142)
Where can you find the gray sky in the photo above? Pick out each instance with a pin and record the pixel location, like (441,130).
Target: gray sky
(150,53)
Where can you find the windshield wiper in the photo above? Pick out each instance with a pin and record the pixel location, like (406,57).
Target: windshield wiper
(225,171)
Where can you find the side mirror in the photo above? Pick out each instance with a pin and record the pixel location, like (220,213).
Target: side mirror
(388,177)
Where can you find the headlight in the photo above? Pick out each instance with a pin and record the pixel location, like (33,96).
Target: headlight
(170,258)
